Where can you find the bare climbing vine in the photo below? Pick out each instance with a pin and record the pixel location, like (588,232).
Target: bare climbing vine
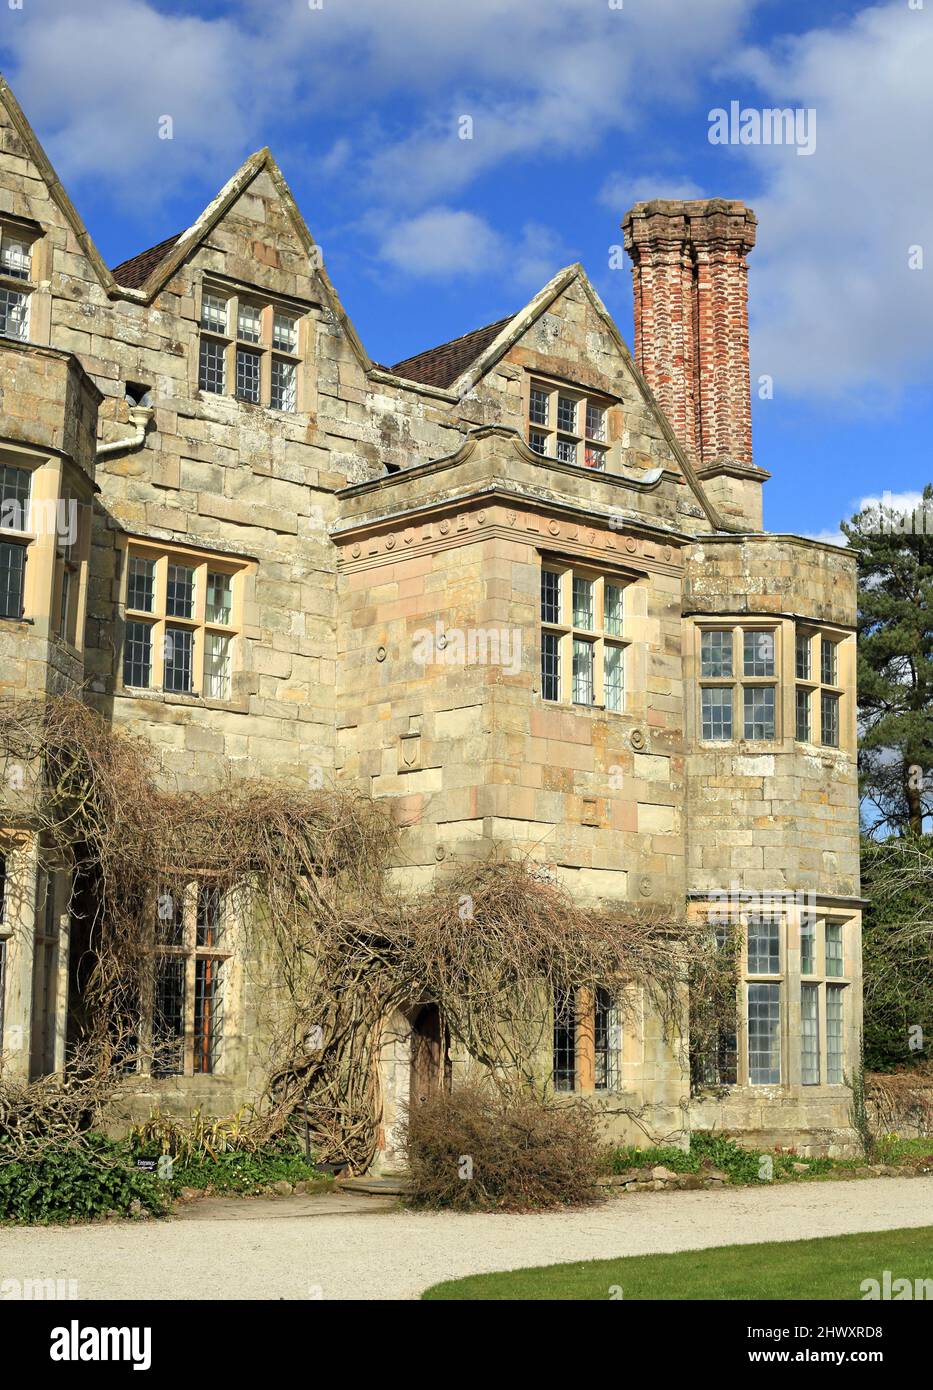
(332,943)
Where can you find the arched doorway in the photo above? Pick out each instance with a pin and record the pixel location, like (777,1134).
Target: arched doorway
(430,1058)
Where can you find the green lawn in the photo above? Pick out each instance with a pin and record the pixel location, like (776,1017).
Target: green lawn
(831,1268)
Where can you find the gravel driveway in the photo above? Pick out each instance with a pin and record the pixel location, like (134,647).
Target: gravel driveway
(338,1246)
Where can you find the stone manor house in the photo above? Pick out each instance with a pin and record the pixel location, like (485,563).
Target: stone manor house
(518,584)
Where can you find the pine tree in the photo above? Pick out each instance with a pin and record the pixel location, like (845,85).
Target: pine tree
(894,552)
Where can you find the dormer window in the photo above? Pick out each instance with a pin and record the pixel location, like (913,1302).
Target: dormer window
(568,425)
(248,349)
(15,282)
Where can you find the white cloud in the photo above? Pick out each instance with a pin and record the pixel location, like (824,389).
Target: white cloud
(620,191)
(829,536)
(836,308)
(443,241)
(536,78)
(896,501)
(97,83)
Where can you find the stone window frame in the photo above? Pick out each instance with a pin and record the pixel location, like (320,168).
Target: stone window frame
(815,688)
(791,979)
(267,348)
(26,285)
(217,957)
(738,682)
(588,1029)
(567,633)
(548,432)
(204,563)
(53,484)
(825,980)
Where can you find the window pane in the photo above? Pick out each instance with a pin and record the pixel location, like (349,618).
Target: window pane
(566,451)
(567,414)
(594,457)
(214,313)
(803,715)
(168,1022)
(550,597)
(808,948)
(15,257)
(829,719)
(137,655)
(810,1035)
(12,579)
(538,406)
(716,713)
(64,603)
(613,608)
(596,422)
(14,314)
(284,378)
(834,957)
(608,1042)
(764,945)
(716,653)
(209,916)
(583,609)
(828,662)
(180,596)
(803,656)
(248,323)
(759,653)
(216,666)
(247,375)
(170,909)
(14,497)
(565,1041)
(212,373)
(537,442)
(207,1012)
(140,584)
(764,1035)
(759,711)
(835,1044)
(613,683)
(583,673)
(219,598)
(550,666)
(179,650)
(285,333)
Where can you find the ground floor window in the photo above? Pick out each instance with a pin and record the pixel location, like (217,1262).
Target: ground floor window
(187,1007)
(45,977)
(587,1041)
(791,986)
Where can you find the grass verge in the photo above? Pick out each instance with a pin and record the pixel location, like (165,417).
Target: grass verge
(831,1268)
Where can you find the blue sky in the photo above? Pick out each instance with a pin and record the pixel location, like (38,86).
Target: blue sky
(579,108)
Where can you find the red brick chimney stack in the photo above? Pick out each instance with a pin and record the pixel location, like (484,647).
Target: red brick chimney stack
(691,324)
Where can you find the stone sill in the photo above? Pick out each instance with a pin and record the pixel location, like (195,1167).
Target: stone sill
(166,697)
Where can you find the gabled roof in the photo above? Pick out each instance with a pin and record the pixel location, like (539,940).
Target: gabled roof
(502,336)
(136,271)
(452,369)
(440,366)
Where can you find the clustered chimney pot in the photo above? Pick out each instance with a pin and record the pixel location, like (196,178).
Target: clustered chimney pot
(691,321)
